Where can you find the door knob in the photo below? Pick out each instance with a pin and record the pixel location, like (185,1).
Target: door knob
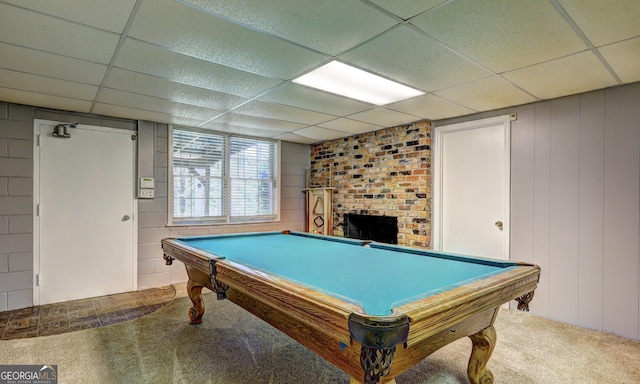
(126,217)
(499,224)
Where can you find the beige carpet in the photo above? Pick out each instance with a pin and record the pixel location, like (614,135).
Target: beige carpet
(232,346)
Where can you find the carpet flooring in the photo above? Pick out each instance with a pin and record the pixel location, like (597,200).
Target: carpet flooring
(232,346)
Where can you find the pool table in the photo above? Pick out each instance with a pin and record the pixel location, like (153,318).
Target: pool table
(371,309)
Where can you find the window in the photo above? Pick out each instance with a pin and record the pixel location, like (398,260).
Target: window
(218,178)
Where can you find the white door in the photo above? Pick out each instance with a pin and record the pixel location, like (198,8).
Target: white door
(471,188)
(83,225)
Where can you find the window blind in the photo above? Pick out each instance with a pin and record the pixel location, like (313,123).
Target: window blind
(252,174)
(219,178)
(198,174)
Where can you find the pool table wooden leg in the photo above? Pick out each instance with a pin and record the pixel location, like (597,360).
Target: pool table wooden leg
(195,294)
(353,380)
(483,344)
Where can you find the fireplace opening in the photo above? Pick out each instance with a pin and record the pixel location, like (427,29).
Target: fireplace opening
(383,229)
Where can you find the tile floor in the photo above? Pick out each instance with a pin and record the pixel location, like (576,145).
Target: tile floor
(52,319)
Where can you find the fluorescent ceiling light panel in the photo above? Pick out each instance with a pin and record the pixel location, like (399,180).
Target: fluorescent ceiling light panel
(345,80)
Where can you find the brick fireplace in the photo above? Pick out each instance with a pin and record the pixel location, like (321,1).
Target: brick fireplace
(381,173)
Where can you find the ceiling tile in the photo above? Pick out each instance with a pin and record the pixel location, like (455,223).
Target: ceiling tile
(155,104)
(328,26)
(318,133)
(283,112)
(384,117)
(487,94)
(254,122)
(406,9)
(430,106)
(42,100)
(46,85)
(109,15)
(138,114)
(350,126)
(227,128)
(50,65)
(25,28)
(188,30)
(502,36)
(624,58)
(410,57)
(141,57)
(566,76)
(307,98)
(154,86)
(603,22)
(292,137)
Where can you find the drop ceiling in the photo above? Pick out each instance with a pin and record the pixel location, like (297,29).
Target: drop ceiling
(228,65)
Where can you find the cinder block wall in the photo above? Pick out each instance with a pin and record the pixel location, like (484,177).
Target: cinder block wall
(16,195)
(16,202)
(386,172)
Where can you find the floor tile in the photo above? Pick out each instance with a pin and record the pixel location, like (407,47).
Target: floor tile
(52,319)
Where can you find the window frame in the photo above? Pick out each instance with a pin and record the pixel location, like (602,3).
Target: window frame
(226,218)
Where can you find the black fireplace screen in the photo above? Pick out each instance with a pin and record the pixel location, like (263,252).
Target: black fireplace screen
(369,227)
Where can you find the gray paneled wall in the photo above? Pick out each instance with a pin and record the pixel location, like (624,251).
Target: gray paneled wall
(575,205)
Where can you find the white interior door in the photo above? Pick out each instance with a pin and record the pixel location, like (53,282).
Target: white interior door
(84,227)
(471,188)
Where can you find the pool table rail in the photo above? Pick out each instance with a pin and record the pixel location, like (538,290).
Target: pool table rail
(377,348)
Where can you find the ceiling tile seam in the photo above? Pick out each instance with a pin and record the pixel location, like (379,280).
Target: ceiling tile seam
(253,98)
(569,20)
(47,94)
(53,53)
(473,62)
(265,33)
(389,13)
(169,114)
(346,117)
(330,56)
(49,77)
(123,37)
(190,55)
(59,18)
(383,10)
(315,126)
(456,102)
(162,98)
(172,81)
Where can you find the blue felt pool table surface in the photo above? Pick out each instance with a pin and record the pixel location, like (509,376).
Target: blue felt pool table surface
(377,277)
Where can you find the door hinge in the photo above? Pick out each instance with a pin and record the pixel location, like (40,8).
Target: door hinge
(37,279)
(38,210)
(38,140)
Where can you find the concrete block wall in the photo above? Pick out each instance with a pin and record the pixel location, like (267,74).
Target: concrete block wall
(386,172)
(16,202)
(16,210)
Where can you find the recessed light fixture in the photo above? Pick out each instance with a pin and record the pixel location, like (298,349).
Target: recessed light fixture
(345,80)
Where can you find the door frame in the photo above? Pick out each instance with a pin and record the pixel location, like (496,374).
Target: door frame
(36,204)
(437,159)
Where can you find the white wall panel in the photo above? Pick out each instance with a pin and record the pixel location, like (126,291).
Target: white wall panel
(621,210)
(575,205)
(591,201)
(522,184)
(563,224)
(542,150)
